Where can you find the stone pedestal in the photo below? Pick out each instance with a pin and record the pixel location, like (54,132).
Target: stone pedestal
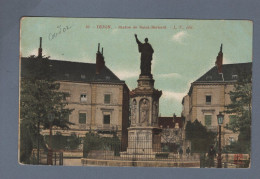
(144,133)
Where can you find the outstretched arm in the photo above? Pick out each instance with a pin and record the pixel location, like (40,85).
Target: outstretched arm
(137,41)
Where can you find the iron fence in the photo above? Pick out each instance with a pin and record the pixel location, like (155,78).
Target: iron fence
(139,149)
(228,161)
(56,157)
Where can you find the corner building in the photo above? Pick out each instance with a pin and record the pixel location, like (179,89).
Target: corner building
(99,98)
(209,95)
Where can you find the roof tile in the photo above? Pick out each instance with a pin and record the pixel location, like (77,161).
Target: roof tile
(73,71)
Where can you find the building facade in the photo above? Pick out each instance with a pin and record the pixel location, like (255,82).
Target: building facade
(99,98)
(172,135)
(209,95)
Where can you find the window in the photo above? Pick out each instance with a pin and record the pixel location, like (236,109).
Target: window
(208,77)
(107,77)
(106,119)
(67,117)
(208,99)
(208,120)
(83,76)
(67,75)
(107,99)
(67,93)
(82,118)
(234,77)
(83,98)
(232,118)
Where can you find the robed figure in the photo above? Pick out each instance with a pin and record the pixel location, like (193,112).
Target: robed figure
(146,51)
(144,111)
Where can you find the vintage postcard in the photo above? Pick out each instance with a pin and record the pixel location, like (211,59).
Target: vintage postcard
(135,92)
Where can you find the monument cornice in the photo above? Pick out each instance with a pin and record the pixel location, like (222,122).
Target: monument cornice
(145,92)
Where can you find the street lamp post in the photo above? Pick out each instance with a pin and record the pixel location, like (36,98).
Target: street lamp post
(49,158)
(220,118)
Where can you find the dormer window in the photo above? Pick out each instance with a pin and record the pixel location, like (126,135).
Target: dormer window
(83,76)
(234,77)
(208,77)
(67,75)
(107,77)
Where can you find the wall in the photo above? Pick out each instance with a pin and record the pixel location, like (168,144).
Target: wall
(199,108)
(95,108)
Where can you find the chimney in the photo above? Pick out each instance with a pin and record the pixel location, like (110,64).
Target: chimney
(219,60)
(100,62)
(40,49)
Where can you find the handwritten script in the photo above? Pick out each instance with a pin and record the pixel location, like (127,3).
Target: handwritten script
(60,30)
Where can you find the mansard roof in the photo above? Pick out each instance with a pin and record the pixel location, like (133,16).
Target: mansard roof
(230,73)
(72,71)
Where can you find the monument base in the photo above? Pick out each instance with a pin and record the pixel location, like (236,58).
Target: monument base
(138,155)
(144,139)
(143,142)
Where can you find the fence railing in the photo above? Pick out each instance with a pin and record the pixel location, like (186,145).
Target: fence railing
(138,149)
(228,161)
(56,157)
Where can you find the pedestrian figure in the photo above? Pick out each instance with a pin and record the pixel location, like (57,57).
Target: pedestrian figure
(188,152)
(181,152)
(211,156)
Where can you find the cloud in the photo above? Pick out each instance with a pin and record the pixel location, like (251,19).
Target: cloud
(153,62)
(179,36)
(173,95)
(189,82)
(27,53)
(169,75)
(83,56)
(126,74)
(34,51)
(226,61)
(85,59)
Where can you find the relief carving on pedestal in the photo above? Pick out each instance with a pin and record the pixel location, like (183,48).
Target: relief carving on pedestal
(155,112)
(144,111)
(133,112)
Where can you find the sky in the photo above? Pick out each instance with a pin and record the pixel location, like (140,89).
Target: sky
(183,49)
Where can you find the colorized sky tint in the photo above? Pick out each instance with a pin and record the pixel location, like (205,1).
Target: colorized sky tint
(183,49)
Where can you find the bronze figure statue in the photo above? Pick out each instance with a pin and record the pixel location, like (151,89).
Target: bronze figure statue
(146,51)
